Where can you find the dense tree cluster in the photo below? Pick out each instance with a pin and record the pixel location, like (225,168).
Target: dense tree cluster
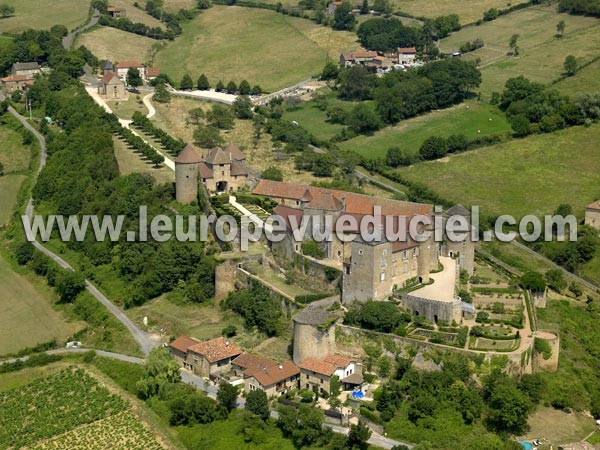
(533,108)
(126,24)
(378,316)
(587,7)
(258,307)
(385,35)
(172,145)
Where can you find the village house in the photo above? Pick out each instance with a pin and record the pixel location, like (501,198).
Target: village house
(316,374)
(112,88)
(123,66)
(152,73)
(382,62)
(26,69)
(14,83)
(274,379)
(179,348)
(363,57)
(332,6)
(212,358)
(592,215)
(116,12)
(248,362)
(406,55)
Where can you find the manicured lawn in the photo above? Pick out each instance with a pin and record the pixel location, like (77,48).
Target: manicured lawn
(586,81)
(125,109)
(467,11)
(524,176)
(27,317)
(468,118)
(541,53)
(117,45)
(42,14)
(263,47)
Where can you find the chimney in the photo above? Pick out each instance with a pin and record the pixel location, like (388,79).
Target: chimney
(280,366)
(227,343)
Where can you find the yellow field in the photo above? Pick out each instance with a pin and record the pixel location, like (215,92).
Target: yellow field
(42,14)
(117,45)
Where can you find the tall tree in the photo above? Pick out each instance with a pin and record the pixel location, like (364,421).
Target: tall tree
(227,396)
(514,44)
(6,10)
(343,19)
(245,88)
(570,65)
(560,28)
(186,83)
(358,437)
(257,403)
(203,84)
(133,78)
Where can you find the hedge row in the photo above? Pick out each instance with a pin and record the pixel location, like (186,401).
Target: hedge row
(172,145)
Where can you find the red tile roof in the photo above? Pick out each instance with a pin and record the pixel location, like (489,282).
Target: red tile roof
(152,72)
(407,50)
(337,360)
(216,349)
(248,361)
(108,77)
(318,366)
(595,206)
(365,54)
(16,78)
(182,343)
(268,376)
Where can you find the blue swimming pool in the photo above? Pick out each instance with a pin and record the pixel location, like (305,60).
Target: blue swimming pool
(358,394)
(526,445)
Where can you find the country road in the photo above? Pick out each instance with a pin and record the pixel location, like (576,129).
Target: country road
(69,38)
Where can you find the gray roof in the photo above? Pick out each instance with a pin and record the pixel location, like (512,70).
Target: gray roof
(314,315)
(108,65)
(26,66)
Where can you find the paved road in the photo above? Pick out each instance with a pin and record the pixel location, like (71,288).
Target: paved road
(69,38)
(212,95)
(151,110)
(140,336)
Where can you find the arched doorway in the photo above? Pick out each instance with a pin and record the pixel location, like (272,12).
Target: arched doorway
(221,186)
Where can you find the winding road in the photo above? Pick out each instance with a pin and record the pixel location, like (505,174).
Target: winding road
(69,38)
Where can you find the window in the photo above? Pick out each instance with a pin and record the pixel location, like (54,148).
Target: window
(348,270)
(405,255)
(414,252)
(360,252)
(382,276)
(385,253)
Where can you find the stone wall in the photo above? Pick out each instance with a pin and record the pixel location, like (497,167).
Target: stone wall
(432,310)
(313,342)
(225,276)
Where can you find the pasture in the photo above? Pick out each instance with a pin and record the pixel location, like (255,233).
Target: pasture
(130,162)
(541,53)
(42,14)
(467,11)
(117,45)
(534,175)
(136,14)
(263,47)
(583,82)
(15,158)
(471,118)
(27,317)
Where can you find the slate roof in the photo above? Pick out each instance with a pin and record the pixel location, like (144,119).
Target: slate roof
(26,66)
(216,349)
(217,156)
(188,156)
(314,315)
(108,65)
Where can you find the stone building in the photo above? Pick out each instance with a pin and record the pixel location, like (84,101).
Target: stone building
(592,215)
(314,333)
(14,83)
(212,358)
(223,170)
(275,379)
(316,374)
(186,175)
(26,69)
(463,251)
(179,348)
(112,88)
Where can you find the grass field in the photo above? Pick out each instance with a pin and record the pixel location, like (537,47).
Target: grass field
(117,45)
(541,53)
(467,118)
(176,5)
(558,426)
(15,158)
(586,81)
(42,14)
(534,175)
(136,14)
(263,47)
(467,11)
(27,317)
(130,162)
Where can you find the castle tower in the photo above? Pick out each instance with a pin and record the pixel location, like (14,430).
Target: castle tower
(186,175)
(314,333)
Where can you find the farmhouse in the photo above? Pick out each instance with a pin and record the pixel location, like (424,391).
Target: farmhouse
(212,357)
(406,55)
(179,348)
(123,66)
(363,57)
(14,83)
(26,69)
(592,215)
(112,88)
(275,379)
(116,12)
(316,374)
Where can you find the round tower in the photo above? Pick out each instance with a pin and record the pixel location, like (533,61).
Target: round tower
(314,333)
(186,175)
